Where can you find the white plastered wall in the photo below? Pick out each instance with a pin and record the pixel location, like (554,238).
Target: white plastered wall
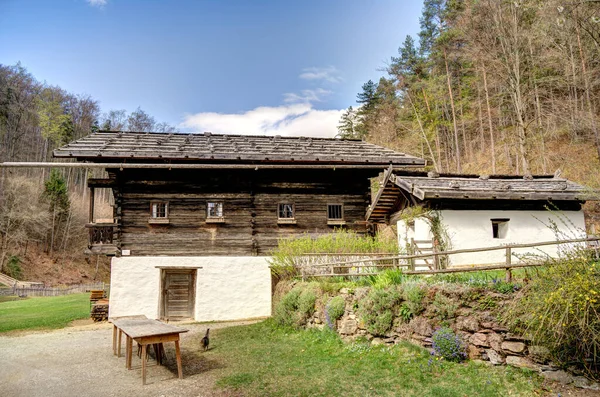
(227,288)
(473,229)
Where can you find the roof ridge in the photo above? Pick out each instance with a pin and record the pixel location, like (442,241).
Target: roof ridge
(230,135)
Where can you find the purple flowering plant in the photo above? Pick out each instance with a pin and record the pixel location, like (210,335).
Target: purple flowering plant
(447,345)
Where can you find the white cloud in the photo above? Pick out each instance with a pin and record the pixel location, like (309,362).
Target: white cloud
(329,74)
(306,96)
(299,119)
(97,3)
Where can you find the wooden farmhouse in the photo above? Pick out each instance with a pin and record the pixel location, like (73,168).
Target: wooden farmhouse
(454,212)
(196,215)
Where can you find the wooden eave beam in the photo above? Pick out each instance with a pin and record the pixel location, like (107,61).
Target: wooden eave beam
(111,165)
(101,183)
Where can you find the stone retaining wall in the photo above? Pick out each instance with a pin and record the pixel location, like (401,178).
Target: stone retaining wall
(486,339)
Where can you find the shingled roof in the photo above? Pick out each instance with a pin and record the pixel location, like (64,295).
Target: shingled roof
(432,186)
(206,147)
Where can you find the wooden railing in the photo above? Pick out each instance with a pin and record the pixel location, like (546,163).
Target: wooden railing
(100,233)
(371,265)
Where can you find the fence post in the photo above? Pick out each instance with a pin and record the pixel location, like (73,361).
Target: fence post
(508,263)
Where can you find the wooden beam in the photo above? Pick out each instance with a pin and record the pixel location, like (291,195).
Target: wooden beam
(195,166)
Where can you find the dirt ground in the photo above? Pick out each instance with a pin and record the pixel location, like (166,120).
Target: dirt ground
(78,361)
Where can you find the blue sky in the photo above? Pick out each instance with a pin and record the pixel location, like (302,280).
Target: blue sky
(274,67)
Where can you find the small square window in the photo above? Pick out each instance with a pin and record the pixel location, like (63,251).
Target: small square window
(160,210)
(286,211)
(334,211)
(214,210)
(500,228)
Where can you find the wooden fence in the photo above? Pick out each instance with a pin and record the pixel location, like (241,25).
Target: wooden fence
(371,265)
(53,291)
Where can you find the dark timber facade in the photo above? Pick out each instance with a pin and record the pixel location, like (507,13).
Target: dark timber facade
(239,195)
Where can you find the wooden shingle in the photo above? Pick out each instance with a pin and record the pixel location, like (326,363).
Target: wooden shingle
(208,147)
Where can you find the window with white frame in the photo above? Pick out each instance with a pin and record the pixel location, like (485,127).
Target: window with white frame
(159,210)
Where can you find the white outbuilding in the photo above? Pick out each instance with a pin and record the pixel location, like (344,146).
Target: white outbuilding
(441,212)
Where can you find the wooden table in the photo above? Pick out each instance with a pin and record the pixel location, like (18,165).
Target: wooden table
(146,332)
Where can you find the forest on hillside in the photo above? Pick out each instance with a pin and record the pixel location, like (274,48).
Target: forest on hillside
(44,211)
(492,86)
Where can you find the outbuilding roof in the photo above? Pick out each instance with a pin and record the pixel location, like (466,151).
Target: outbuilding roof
(422,186)
(105,146)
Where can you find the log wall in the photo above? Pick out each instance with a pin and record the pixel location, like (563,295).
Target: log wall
(250,202)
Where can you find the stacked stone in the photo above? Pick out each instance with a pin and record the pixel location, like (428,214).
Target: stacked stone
(486,339)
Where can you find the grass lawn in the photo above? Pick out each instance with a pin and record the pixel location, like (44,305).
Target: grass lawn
(43,312)
(263,360)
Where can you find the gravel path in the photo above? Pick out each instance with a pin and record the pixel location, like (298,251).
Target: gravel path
(78,361)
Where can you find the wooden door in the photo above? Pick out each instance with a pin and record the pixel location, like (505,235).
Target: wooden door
(178,294)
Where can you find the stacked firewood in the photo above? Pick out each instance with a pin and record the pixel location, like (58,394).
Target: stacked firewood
(99,310)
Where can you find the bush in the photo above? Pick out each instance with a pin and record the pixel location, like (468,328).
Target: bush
(286,310)
(413,295)
(306,303)
(334,310)
(444,306)
(505,287)
(13,267)
(295,306)
(560,310)
(377,309)
(386,279)
(290,252)
(447,345)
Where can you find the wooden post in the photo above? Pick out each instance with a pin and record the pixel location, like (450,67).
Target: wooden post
(436,258)
(92,195)
(508,263)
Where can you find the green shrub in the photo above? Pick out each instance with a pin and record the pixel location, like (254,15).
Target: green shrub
(296,306)
(287,308)
(505,287)
(448,345)
(386,278)
(378,308)
(405,312)
(290,251)
(413,295)
(560,310)
(334,310)
(306,303)
(13,267)
(444,306)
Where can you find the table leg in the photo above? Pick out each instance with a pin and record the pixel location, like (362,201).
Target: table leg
(129,352)
(119,344)
(156,353)
(114,340)
(178,354)
(144,364)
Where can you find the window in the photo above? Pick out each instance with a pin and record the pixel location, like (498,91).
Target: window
(285,213)
(214,212)
(500,228)
(335,214)
(159,212)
